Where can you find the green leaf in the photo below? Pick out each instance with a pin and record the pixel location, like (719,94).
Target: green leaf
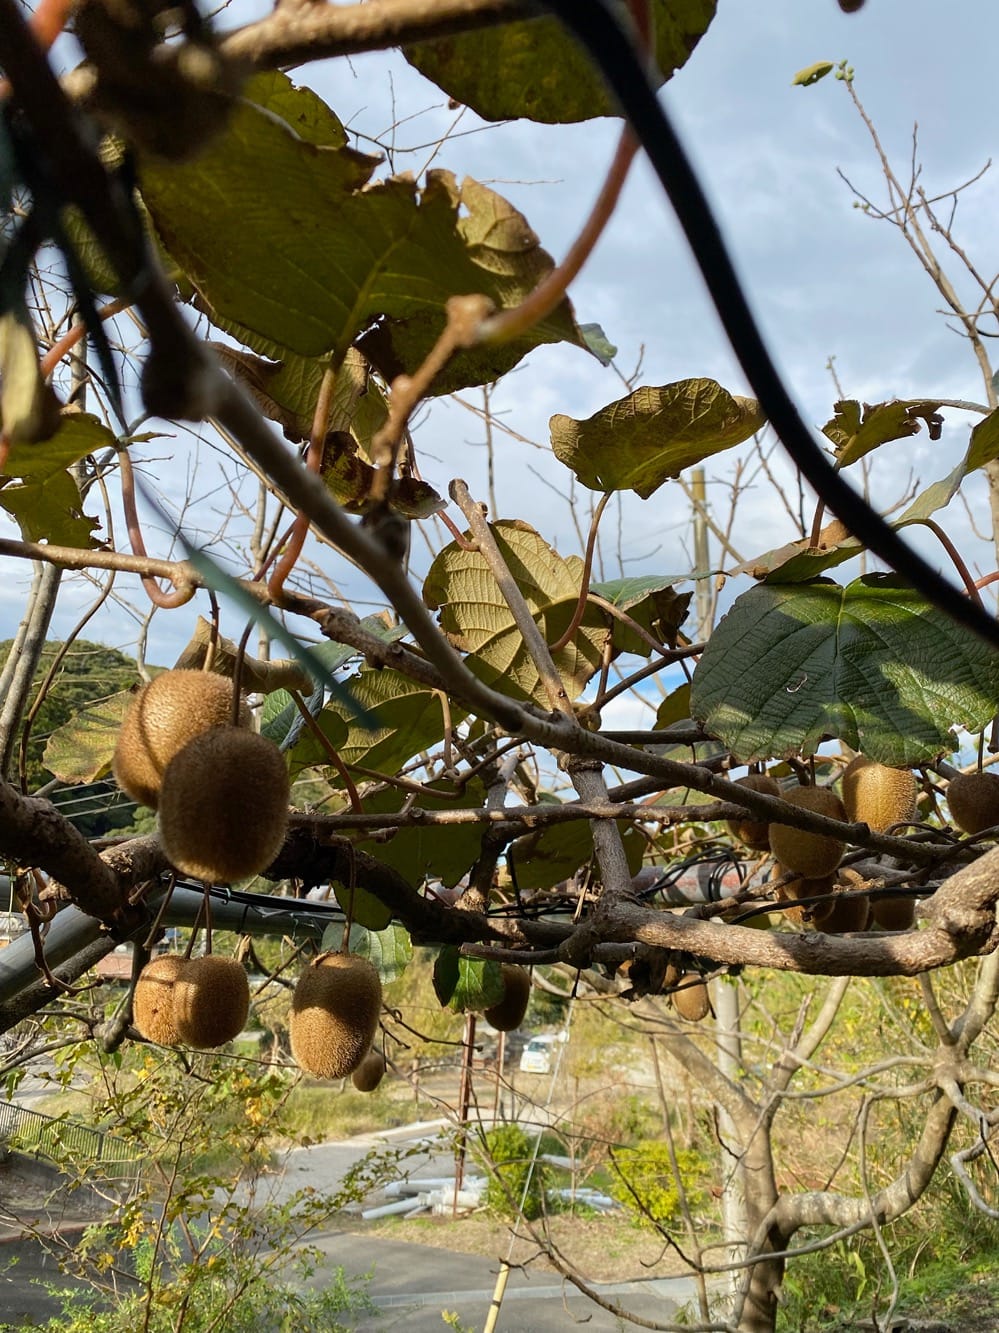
(362,906)
(598,343)
(477,620)
(651,602)
(446,972)
(444,852)
(389,950)
(403,718)
(813,73)
(81,749)
(871,664)
(351,480)
(479,985)
(534,69)
(653,434)
(857,429)
(674,708)
(553,854)
(29,409)
(796,562)
(48,510)
(286,240)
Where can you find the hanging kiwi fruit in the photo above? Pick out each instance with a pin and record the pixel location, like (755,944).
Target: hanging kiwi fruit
(334,1014)
(163,717)
(224,805)
(973,799)
(849,910)
(211,1001)
(369,1073)
(153,1000)
(809,913)
(509,1012)
(878,796)
(690,1000)
(809,854)
(751,832)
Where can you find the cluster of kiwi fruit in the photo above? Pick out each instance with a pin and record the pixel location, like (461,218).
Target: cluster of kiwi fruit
(200,1002)
(221,790)
(334,1017)
(809,863)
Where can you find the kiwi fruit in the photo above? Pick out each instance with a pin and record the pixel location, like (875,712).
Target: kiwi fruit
(848,909)
(809,854)
(152,1003)
(509,1012)
(754,833)
(894,913)
(973,799)
(334,1015)
(809,914)
(224,805)
(691,1000)
(171,710)
(878,796)
(211,1000)
(369,1073)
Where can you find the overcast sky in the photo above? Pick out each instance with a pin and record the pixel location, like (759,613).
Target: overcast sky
(824,279)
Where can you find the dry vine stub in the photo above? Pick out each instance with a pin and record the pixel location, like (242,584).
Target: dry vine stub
(973,799)
(509,1012)
(369,1073)
(153,1001)
(211,1001)
(334,1015)
(751,832)
(878,796)
(224,805)
(809,854)
(164,716)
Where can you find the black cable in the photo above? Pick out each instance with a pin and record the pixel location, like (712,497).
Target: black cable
(609,45)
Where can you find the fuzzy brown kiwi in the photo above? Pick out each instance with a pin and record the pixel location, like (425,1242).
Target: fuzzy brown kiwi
(895,913)
(809,914)
(973,799)
(224,805)
(509,1012)
(878,796)
(369,1073)
(152,1003)
(691,1000)
(754,833)
(849,910)
(809,854)
(334,1014)
(171,710)
(211,999)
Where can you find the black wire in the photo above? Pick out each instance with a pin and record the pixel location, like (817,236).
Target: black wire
(609,45)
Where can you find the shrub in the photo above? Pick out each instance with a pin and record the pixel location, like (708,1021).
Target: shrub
(646,1186)
(514,1175)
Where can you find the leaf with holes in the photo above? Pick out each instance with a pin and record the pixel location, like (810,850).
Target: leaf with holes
(477,620)
(529,68)
(858,428)
(640,441)
(871,664)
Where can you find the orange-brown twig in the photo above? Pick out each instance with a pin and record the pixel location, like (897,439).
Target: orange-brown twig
(167,600)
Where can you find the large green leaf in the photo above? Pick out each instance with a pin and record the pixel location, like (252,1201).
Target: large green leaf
(362,906)
(535,69)
(81,749)
(871,664)
(403,719)
(280,239)
(48,510)
(858,428)
(650,601)
(444,852)
(478,986)
(797,562)
(477,620)
(546,858)
(640,441)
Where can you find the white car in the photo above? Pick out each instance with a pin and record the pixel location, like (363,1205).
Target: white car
(536,1057)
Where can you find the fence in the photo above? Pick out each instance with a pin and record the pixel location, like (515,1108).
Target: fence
(40,1135)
